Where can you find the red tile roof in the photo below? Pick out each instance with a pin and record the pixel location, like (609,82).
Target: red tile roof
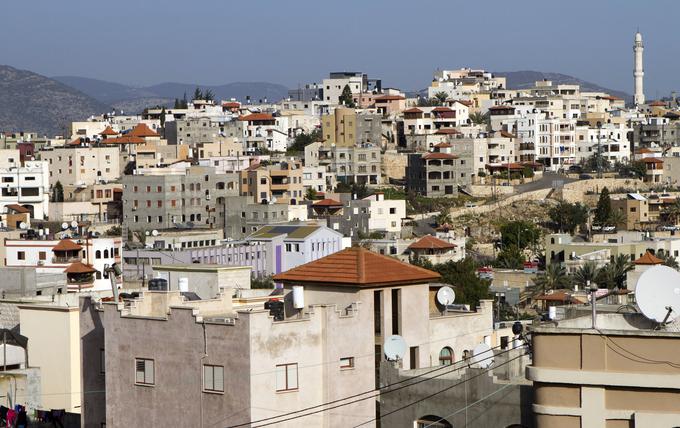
(438,155)
(447,131)
(389,98)
(328,203)
(657,104)
(18,208)
(67,245)
(428,242)
(142,130)
(441,109)
(501,107)
(256,116)
(125,139)
(652,160)
(465,102)
(643,150)
(231,104)
(413,110)
(108,131)
(79,267)
(507,134)
(443,145)
(357,267)
(648,259)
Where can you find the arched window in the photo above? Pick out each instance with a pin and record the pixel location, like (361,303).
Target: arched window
(446,356)
(106,254)
(99,275)
(97,254)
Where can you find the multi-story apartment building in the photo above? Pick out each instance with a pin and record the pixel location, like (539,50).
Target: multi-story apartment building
(243,216)
(162,200)
(345,128)
(353,300)
(82,164)
(464,82)
(657,132)
(280,183)
(357,164)
(26,185)
(439,173)
(358,83)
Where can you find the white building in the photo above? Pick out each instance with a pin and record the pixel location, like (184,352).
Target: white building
(77,255)
(385,214)
(82,166)
(26,185)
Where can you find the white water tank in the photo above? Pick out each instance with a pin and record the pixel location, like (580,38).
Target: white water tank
(183,284)
(298,297)
(552,312)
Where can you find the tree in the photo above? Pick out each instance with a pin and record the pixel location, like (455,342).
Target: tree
(140,235)
(177,104)
(672,213)
(198,94)
(668,259)
(616,217)
(310,195)
(553,278)
(265,282)
(162,117)
(586,273)
(302,140)
(444,217)
(185,102)
(478,118)
(209,95)
(462,275)
(613,275)
(510,258)
(519,233)
(604,208)
(567,217)
(441,97)
(58,192)
(346,97)
(593,163)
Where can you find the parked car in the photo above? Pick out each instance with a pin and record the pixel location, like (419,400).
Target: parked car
(670,228)
(585,177)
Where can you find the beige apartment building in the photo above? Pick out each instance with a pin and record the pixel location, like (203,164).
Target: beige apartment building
(635,207)
(281,183)
(345,128)
(82,166)
(615,377)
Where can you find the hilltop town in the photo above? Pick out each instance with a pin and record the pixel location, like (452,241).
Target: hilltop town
(349,255)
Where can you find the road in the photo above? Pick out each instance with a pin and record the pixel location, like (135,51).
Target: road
(544,182)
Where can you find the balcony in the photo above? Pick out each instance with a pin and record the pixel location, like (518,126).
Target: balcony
(66,259)
(527,147)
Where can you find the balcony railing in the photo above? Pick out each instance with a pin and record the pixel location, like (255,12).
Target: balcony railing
(62,260)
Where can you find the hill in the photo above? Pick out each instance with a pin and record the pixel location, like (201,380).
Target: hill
(35,103)
(527,78)
(134,99)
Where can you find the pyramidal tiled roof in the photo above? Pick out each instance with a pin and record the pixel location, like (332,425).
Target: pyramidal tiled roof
(648,259)
(357,267)
(428,242)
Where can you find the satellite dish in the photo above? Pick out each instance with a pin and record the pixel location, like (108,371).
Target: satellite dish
(146,233)
(154,232)
(74,224)
(395,348)
(482,356)
(64,226)
(446,296)
(658,294)
(23,226)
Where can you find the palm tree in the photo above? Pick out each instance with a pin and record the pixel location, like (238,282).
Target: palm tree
(441,97)
(620,266)
(606,277)
(672,212)
(616,217)
(444,217)
(477,118)
(555,277)
(668,259)
(586,273)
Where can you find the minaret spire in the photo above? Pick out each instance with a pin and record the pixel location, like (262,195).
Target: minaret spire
(638,72)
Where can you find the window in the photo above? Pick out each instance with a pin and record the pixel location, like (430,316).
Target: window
(102,361)
(42,255)
(213,378)
(446,356)
(347,362)
(144,372)
(21,255)
(287,377)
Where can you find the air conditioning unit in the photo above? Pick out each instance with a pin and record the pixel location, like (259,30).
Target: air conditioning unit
(41,262)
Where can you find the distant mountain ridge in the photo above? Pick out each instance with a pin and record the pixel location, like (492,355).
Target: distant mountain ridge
(35,103)
(135,99)
(527,78)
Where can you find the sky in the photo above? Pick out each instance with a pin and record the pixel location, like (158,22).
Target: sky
(142,42)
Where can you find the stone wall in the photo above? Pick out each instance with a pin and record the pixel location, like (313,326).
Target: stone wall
(394,165)
(576,191)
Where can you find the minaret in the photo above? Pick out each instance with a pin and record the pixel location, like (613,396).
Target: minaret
(638,72)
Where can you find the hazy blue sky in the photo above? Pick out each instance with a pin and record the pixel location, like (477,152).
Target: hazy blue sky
(298,41)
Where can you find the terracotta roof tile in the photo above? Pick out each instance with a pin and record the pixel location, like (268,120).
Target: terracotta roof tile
(501,107)
(79,267)
(142,130)
(438,155)
(652,160)
(442,145)
(413,110)
(108,131)
(507,134)
(441,109)
(447,131)
(256,116)
(357,267)
(18,208)
(428,242)
(389,98)
(231,104)
(126,139)
(328,203)
(648,259)
(67,245)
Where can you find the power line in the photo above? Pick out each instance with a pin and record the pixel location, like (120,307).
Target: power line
(358,395)
(468,406)
(438,392)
